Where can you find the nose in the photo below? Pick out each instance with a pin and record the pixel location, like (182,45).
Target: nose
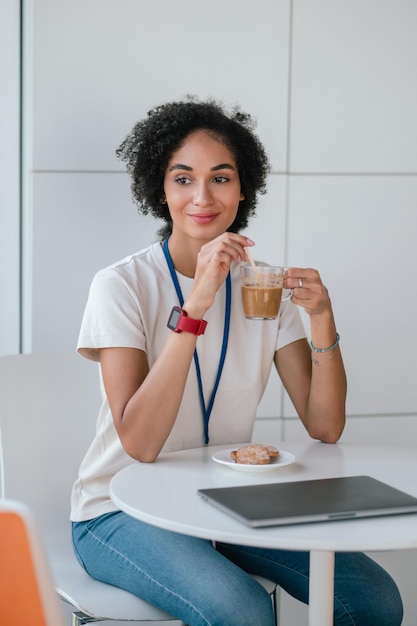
(202,195)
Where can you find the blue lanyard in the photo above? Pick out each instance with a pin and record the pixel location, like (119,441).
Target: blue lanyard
(205,410)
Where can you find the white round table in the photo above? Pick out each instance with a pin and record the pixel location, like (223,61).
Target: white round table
(164,493)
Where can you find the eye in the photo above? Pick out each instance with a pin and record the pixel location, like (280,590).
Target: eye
(182,180)
(220,179)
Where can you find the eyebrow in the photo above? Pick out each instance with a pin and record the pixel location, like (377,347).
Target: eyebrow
(215,168)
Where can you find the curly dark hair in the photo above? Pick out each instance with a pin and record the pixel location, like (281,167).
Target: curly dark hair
(149,147)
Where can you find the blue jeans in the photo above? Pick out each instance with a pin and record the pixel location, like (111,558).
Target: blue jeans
(204,585)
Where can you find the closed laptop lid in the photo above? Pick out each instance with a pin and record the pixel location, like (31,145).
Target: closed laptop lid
(327,499)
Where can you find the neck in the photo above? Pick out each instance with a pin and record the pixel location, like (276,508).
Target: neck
(184,254)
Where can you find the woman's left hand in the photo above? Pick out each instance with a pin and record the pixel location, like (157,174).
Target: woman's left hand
(308,289)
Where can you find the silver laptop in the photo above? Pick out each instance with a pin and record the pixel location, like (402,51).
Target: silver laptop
(320,500)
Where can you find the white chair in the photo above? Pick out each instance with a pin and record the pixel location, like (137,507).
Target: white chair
(48,408)
(27,592)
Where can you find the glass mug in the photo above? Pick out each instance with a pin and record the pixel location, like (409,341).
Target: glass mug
(261,288)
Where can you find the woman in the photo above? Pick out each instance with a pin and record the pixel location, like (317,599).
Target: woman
(200,170)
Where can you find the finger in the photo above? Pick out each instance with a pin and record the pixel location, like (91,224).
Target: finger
(295,277)
(303,272)
(241,240)
(240,245)
(231,244)
(302,278)
(297,283)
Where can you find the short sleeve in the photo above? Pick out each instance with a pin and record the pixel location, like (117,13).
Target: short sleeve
(111,317)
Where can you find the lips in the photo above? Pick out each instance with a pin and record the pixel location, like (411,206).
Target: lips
(203,218)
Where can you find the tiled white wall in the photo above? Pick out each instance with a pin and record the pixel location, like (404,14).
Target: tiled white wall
(333,87)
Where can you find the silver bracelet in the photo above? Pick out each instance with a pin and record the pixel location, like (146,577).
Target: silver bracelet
(316,362)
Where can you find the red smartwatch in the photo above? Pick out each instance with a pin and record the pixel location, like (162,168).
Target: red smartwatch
(179,321)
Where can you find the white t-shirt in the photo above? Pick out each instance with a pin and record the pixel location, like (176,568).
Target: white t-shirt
(128,306)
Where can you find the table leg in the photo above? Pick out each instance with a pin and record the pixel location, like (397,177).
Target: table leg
(320,612)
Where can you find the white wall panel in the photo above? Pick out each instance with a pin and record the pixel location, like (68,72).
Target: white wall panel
(103,63)
(82,222)
(268,228)
(393,429)
(268,430)
(376,430)
(9,176)
(360,233)
(354,87)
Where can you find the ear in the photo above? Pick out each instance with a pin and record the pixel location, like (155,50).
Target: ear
(163,199)
(242,196)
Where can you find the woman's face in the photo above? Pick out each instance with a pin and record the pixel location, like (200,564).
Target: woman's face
(202,187)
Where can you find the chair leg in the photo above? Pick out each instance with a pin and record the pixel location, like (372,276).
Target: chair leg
(275,604)
(79,619)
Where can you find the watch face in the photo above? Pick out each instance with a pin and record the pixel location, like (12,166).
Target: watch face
(173,318)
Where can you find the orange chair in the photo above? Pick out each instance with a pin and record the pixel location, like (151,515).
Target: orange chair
(27,592)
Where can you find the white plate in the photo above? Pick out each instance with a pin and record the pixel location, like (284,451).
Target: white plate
(223,457)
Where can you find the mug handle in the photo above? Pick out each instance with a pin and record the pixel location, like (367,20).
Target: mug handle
(290,294)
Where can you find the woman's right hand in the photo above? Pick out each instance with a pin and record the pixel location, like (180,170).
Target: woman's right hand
(213,265)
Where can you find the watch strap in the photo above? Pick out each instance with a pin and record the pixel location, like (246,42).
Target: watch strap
(190,325)
(185,323)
